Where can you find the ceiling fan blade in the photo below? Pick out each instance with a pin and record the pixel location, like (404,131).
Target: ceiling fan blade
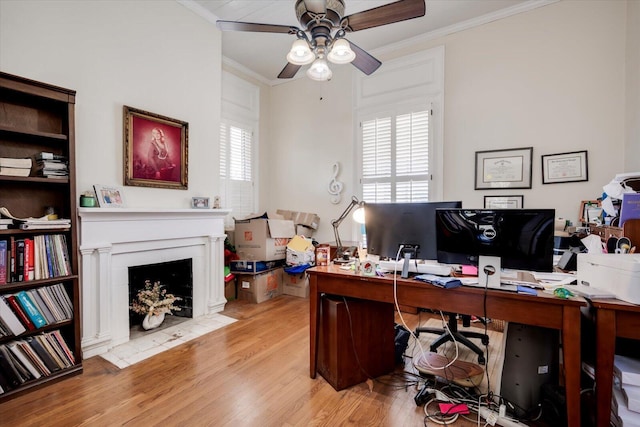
(364,61)
(383,15)
(289,71)
(254,27)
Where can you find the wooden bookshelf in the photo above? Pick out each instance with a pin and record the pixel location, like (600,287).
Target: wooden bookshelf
(37,117)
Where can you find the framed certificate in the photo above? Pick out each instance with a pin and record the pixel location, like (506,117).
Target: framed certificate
(565,167)
(500,169)
(503,202)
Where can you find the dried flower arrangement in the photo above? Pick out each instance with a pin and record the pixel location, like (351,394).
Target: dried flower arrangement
(154,300)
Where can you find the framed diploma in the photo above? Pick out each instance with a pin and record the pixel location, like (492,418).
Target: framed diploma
(500,169)
(565,167)
(503,202)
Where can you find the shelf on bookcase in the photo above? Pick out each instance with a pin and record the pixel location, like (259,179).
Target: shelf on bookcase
(22,132)
(74,370)
(29,284)
(35,179)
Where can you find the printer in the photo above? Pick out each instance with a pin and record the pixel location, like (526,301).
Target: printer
(618,274)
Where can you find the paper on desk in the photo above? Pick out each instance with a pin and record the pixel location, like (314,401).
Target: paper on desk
(593,243)
(556,283)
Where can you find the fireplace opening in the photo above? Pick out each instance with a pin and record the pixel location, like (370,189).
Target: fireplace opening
(175,276)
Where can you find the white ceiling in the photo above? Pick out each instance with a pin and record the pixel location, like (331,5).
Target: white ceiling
(264,54)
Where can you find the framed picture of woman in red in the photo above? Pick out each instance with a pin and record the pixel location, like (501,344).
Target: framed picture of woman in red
(155,150)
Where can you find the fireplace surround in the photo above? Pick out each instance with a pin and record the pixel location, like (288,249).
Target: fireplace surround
(112,240)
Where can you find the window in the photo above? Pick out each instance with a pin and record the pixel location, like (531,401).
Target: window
(236,170)
(395,157)
(400,129)
(238,147)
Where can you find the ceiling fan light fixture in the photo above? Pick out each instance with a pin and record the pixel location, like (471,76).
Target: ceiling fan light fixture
(300,53)
(341,52)
(319,70)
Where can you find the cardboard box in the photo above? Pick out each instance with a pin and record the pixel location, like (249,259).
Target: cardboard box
(260,287)
(618,274)
(310,220)
(230,290)
(296,285)
(263,239)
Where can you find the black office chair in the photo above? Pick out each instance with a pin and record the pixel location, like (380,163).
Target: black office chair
(461,336)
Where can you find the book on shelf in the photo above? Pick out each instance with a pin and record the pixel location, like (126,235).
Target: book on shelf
(45,155)
(19,261)
(41,226)
(9,372)
(18,369)
(19,311)
(24,359)
(53,165)
(31,220)
(33,357)
(4,258)
(8,171)
(51,351)
(29,307)
(43,354)
(12,162)
(39,304)
(10,318)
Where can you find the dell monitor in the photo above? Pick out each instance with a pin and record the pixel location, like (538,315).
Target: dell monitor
(390,226)
(521,238)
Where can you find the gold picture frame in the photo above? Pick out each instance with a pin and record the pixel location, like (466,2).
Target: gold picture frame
(155,150)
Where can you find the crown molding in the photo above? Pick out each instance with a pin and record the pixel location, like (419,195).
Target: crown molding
(465,25)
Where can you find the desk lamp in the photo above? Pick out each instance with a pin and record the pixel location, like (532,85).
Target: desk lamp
(336,224)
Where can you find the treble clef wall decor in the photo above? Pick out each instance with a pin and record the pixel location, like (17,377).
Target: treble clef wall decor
(335,186)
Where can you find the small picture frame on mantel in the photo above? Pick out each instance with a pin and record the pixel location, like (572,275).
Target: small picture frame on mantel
(109,197)
(200,202)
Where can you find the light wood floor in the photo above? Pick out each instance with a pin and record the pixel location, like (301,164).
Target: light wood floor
(254,372)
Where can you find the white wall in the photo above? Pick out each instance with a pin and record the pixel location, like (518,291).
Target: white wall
(552,78)
(311,129)
(632,149)
(155,56)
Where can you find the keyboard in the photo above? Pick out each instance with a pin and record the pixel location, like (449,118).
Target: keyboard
(422,268)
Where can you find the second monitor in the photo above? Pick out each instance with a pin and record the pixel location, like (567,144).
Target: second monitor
(403,230)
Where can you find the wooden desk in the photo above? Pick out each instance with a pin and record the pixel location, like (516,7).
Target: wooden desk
(613,318)
(543,310)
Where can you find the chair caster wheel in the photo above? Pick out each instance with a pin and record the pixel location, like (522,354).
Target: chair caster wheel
(485,340)
(481,360)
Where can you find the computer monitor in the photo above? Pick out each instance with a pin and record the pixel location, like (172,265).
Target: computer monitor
(389,226)
(522,238)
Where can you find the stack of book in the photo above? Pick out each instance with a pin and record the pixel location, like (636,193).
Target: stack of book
(51,165)
(625,404)
(30,223)
(14,166)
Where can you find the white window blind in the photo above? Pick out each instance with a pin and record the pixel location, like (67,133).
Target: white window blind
(236,170)
(395,158)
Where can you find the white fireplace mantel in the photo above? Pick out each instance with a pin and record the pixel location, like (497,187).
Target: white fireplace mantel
(114,239)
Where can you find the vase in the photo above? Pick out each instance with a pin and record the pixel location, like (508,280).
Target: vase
(152,321)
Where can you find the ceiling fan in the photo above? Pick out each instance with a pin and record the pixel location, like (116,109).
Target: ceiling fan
(322,31)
